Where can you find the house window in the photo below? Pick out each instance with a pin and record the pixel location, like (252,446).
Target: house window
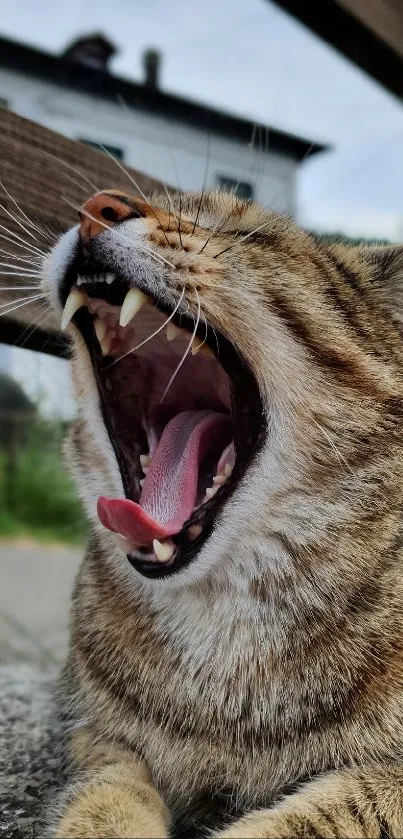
(242,189)
(114,150)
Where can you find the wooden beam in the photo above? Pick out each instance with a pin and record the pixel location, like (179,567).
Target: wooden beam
(368,32)
(45,174)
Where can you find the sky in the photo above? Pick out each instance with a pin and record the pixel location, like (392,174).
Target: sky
(250,58)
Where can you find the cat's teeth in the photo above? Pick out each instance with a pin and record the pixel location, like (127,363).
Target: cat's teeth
(197,345)
(132,304)
(100,329)
(164,551)
(211,491)
(142,482)
(220,479)
(145,460)
(228,469)
(75,300)
(109,278)
(194,531)
(106,343)
(172,332)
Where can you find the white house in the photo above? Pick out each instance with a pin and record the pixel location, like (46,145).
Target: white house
(183,143)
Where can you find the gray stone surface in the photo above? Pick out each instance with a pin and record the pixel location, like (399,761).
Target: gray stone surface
(35,588)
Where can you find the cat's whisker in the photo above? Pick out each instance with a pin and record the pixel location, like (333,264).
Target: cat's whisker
(29,261)
(27,245)
(206,169)
(21,211)
(72,169)
(136,186)
(187,351)
(25,275)
(340,457)
(19,287)
(243,238)
(17,268)
(17,221)
(153,334)
(17,304)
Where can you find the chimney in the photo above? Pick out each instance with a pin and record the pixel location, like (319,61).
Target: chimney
(92,50)
(151,67)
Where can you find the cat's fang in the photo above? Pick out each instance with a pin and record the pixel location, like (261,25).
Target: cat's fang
(164,551)
(194,531)
(75,300)
(100,329)
(132,304)
(172,331)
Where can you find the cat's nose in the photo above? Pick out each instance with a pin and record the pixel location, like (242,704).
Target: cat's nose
(102,210)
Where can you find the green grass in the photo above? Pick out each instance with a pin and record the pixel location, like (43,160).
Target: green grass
(37,498)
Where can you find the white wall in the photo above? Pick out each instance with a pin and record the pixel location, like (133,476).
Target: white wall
(169,151)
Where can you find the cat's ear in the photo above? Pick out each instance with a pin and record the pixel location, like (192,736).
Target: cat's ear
(387,276)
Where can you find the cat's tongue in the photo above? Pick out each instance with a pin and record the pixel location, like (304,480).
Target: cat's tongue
(170,487)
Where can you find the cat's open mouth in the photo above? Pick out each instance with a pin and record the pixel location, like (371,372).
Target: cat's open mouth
(182,411)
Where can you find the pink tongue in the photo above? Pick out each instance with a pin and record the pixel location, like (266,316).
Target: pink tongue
(170,488)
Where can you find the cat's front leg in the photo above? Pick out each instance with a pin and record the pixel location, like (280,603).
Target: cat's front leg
(362,804)
(111,796)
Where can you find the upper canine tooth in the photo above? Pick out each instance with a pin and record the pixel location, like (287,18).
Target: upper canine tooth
(109,278)
(75,300)
(132,304)
(100,329)
(172,331)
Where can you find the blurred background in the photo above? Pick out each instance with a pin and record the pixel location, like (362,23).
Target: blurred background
(297,105)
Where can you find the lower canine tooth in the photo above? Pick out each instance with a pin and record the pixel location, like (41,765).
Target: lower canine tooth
(106,344)
(75,300)
(194,531)
(163,550)
(196,346)
(132,304)
(100,329)
(172,331)
(210,491)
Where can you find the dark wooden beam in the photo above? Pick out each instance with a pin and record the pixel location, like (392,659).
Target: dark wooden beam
(48,176)
(351,36)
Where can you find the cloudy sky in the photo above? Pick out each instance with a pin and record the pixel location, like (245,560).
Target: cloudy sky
(248,57)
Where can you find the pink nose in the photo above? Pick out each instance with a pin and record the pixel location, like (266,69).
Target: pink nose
(104,209)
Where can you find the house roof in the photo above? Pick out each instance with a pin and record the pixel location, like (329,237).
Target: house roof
(59,70)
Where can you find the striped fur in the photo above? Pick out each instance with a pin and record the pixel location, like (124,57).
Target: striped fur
(269,674)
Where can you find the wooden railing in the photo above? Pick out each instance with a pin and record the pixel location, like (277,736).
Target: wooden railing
(43,174)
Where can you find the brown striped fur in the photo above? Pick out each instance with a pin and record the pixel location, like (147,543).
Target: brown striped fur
(270,673)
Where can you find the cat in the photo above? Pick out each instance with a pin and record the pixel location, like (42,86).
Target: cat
(236,648)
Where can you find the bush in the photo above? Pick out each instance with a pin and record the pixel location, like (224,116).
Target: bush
(36,494)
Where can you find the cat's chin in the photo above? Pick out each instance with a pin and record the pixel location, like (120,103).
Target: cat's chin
(181,408)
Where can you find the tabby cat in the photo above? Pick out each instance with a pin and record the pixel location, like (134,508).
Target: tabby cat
(236,653)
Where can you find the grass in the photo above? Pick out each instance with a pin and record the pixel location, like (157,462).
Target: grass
(37,498)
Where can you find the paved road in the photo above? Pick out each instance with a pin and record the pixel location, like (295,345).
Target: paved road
(35,587)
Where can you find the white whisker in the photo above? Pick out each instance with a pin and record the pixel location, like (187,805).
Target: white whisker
(14,256)
(26,275)
(20,224)
(28,245)
(243,238)
(21,211)
(135,184)
(153,334)
(72,168)
(14,307)
(342,460)
(187,351)
(19,287)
